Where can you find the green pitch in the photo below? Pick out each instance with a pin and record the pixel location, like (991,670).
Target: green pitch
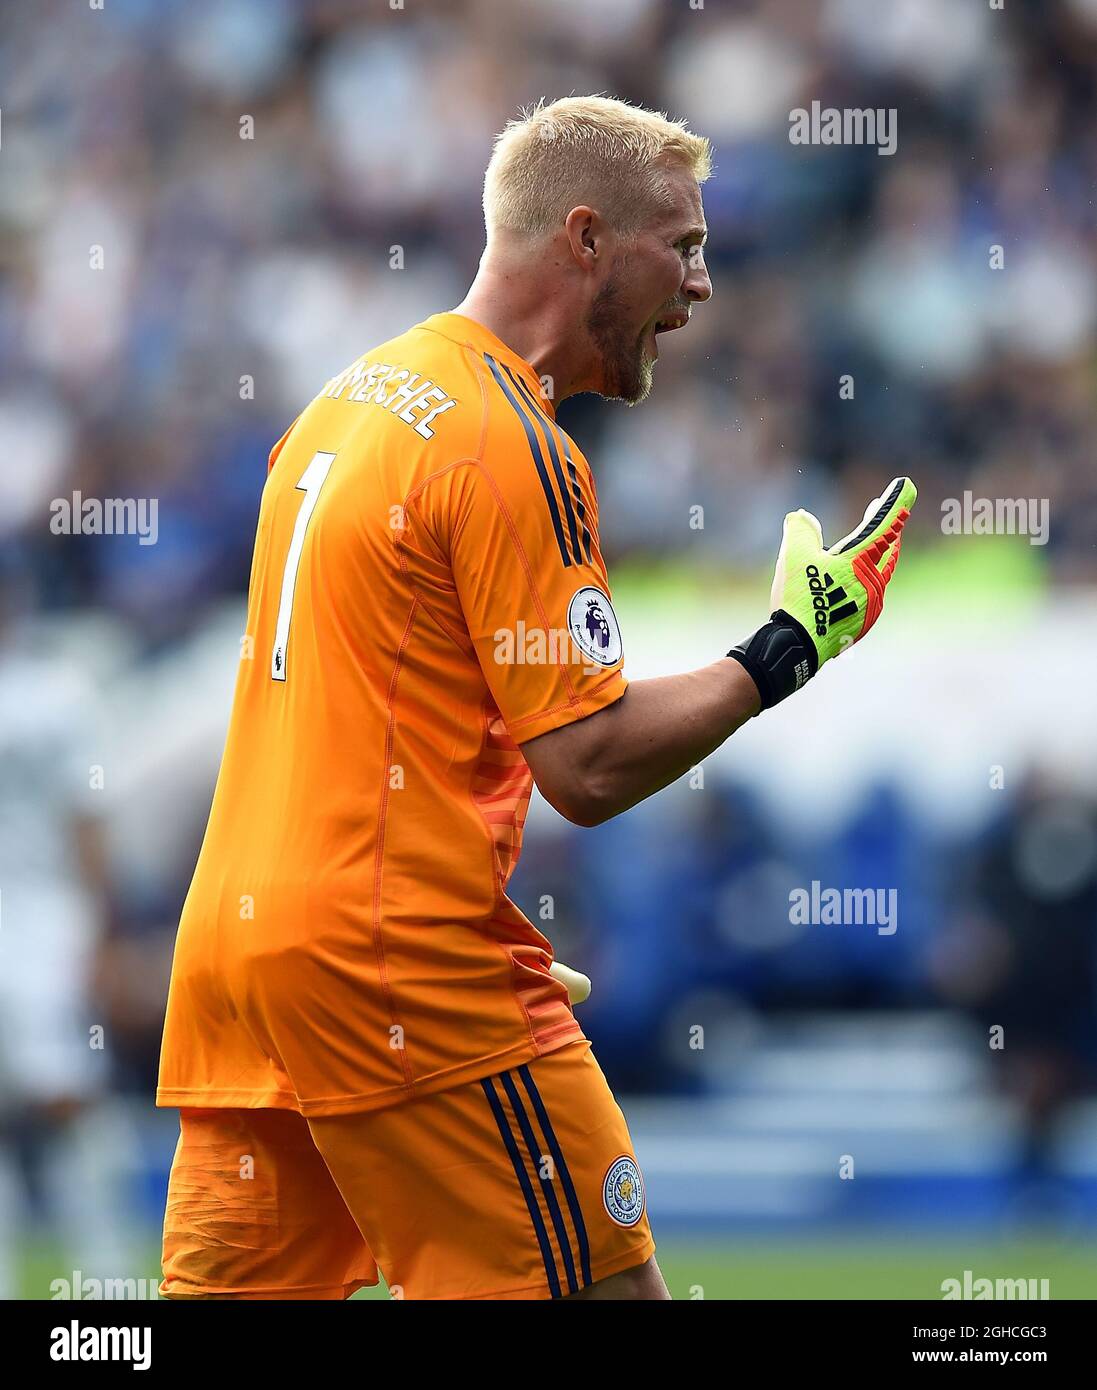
(895,1267)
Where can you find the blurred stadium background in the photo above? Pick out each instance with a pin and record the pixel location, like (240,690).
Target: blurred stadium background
(953,758)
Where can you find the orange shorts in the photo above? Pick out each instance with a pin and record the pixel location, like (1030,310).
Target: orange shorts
(519,1186)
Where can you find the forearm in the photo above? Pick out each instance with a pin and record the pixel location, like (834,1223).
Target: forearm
(659,729)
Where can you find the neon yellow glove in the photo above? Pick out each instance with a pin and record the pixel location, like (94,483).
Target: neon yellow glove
(825,599)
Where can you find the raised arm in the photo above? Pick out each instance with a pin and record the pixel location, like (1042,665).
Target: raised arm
(823,601)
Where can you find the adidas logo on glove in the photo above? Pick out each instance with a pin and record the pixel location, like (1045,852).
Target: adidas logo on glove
(824,595)
(838,591)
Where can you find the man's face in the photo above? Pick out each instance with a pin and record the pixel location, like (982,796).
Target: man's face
(657,276)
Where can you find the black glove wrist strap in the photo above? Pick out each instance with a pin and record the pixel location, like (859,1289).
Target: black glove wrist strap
(780,657)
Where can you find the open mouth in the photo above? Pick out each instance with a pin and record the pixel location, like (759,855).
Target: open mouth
(667,324)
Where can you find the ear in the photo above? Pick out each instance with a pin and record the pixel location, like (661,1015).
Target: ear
(584,230)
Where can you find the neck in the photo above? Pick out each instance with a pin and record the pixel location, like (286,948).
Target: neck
(538,324)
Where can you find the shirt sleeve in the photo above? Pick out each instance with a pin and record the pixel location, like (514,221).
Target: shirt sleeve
(525,559)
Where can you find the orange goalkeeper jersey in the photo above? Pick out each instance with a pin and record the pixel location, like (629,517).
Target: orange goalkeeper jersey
(426,593)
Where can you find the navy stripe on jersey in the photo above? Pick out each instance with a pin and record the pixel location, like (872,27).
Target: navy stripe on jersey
(578,496)
(547,1185)
(550,439)
(550,429)
(524,1183)
(538,458)
(561,1168)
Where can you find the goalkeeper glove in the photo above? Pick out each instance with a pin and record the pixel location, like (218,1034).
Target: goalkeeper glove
(823,599)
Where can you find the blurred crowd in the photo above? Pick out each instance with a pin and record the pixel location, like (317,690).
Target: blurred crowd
(234,275)
(997,922)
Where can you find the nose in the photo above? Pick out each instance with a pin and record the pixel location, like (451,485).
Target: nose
(697,286)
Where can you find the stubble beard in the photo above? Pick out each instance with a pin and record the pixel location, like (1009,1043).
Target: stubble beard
(626,366)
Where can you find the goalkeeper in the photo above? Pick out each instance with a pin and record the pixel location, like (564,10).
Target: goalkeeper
(387,1042)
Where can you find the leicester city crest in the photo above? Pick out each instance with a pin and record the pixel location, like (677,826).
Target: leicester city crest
(623,1191)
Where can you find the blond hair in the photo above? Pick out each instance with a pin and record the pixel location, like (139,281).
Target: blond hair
(586,150)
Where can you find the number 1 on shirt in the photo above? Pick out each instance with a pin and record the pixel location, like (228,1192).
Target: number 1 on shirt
(311,481)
